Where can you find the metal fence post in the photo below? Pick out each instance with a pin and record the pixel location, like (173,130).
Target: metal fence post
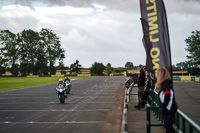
(191,128)
(139,100)
(183,125)
(148,119)
(177,121)
(180,125)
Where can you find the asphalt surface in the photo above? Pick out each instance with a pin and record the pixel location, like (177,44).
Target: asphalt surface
(37,109)
(187,96)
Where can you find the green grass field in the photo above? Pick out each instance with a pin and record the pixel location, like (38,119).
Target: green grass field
(23,82)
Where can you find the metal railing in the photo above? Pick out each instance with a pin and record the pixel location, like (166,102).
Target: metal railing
(128,91)
(180,122)
(128,87)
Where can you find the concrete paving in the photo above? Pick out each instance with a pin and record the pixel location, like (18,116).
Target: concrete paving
(137,118)
(37,109)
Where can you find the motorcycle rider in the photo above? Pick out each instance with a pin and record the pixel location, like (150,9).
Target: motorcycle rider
(61,82)
(67,79)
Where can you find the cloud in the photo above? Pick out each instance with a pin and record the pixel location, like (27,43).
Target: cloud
(18,18)
(123,5)
(186,6)
(182,6)
(180,28)
(86,34)
(107,31)
(109,38)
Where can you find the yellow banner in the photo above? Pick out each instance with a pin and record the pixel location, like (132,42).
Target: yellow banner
(57,75)
(196,79)
(33,76)
(185,78)
(84,75)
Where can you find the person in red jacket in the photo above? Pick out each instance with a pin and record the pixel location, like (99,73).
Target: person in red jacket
(166,96)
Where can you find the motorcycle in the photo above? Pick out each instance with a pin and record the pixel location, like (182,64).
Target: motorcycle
(61,93)
(68,87)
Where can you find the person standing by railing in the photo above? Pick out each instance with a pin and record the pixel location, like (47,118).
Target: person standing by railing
(141,78)
(149,85)
(141,81)
(166,96)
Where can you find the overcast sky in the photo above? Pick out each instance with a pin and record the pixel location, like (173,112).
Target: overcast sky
(106,31)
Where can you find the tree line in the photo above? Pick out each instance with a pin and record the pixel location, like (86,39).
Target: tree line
(30,52)
(100,69)
(192,64)
(36,52)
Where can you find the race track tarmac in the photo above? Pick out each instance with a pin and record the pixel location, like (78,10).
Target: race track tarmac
(38,110)
(187,95)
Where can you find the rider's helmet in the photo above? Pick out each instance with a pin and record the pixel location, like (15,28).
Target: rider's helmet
(61,81)
(66,78)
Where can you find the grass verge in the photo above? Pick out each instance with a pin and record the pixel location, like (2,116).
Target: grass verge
(23,82)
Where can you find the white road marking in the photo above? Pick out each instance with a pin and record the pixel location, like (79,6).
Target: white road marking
(10,117)
(65,122)
(58,102)
(56,97)
(57,110)
(6,122)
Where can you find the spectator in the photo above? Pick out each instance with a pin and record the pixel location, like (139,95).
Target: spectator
(149,85)
(141,81)
(141,78)
(166,98)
